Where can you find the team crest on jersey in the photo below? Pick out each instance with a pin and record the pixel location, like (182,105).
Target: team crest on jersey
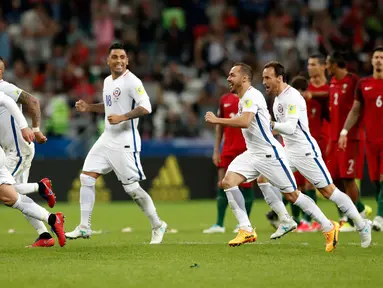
(344,88)
(280,108)
(117,92)
(240,110)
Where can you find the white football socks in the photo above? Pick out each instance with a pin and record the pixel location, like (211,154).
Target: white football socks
(237,205)
(28,207)
(87,199)
(145,202)
(345,204)
(274,201)
(26,188)
(310,208)
(37,224)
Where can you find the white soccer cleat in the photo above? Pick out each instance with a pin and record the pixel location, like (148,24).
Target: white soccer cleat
(158,233)
(79,232)
(236,229)
(214,229)
(284,228)
(365,235)
(377,224)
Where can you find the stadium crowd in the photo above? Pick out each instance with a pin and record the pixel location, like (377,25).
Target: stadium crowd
(56,50)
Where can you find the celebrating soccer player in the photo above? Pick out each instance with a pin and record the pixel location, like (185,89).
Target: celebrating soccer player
(233,145)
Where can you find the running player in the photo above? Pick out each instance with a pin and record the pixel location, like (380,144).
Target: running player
(19,154)
(346,165)
(264,155)
(233,145)
(118,148)
(303,151)
(8,194)
(368,102)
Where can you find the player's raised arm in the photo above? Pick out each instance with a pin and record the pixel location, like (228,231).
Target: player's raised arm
(19,117)
(82,106)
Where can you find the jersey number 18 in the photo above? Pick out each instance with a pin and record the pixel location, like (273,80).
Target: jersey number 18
(108,100)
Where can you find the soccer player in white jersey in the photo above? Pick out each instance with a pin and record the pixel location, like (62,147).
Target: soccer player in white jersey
(303,152)
(118,148)
(19,154)
(264,155)
(8,194)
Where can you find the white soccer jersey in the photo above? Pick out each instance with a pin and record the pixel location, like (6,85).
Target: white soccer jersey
(11,91)
(258,137)
(120,97)
(10,134)
(290,105)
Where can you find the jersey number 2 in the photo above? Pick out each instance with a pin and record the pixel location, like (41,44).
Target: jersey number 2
(108,100)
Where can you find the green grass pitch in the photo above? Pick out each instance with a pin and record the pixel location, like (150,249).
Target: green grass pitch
(116,259)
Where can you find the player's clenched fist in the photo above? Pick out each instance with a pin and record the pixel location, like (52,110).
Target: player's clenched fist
(210,117)
(28,135)
(40,138)
(81,106)
(115,119)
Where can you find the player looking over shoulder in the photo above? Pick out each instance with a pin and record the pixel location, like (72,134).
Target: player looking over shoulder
(368,102)
(118,148)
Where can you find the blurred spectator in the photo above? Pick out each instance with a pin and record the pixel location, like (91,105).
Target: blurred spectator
(5,43)
(182,50)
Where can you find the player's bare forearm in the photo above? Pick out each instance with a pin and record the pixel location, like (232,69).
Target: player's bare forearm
(319,94)
(96,108)
(32,104)
(236,122)
(218,136)
(137,112)
(353,116)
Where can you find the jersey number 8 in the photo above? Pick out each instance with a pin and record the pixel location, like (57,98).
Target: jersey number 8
(108,100)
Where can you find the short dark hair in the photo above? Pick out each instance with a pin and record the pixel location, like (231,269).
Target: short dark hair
(320,57)
(1,59)
(116,45)
(245,69)
(300,83)
(338,58)
(377,49)
(279,69)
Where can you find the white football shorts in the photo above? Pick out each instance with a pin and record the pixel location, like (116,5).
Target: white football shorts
(277,171)
(313,169)
(126,165)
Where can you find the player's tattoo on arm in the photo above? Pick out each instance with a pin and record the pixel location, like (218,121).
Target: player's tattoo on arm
(139,111)
(353,115)
(97,108)
(32,104)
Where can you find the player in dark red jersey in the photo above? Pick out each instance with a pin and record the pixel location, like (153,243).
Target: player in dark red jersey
(233,145)
(369,102)
(344,165)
